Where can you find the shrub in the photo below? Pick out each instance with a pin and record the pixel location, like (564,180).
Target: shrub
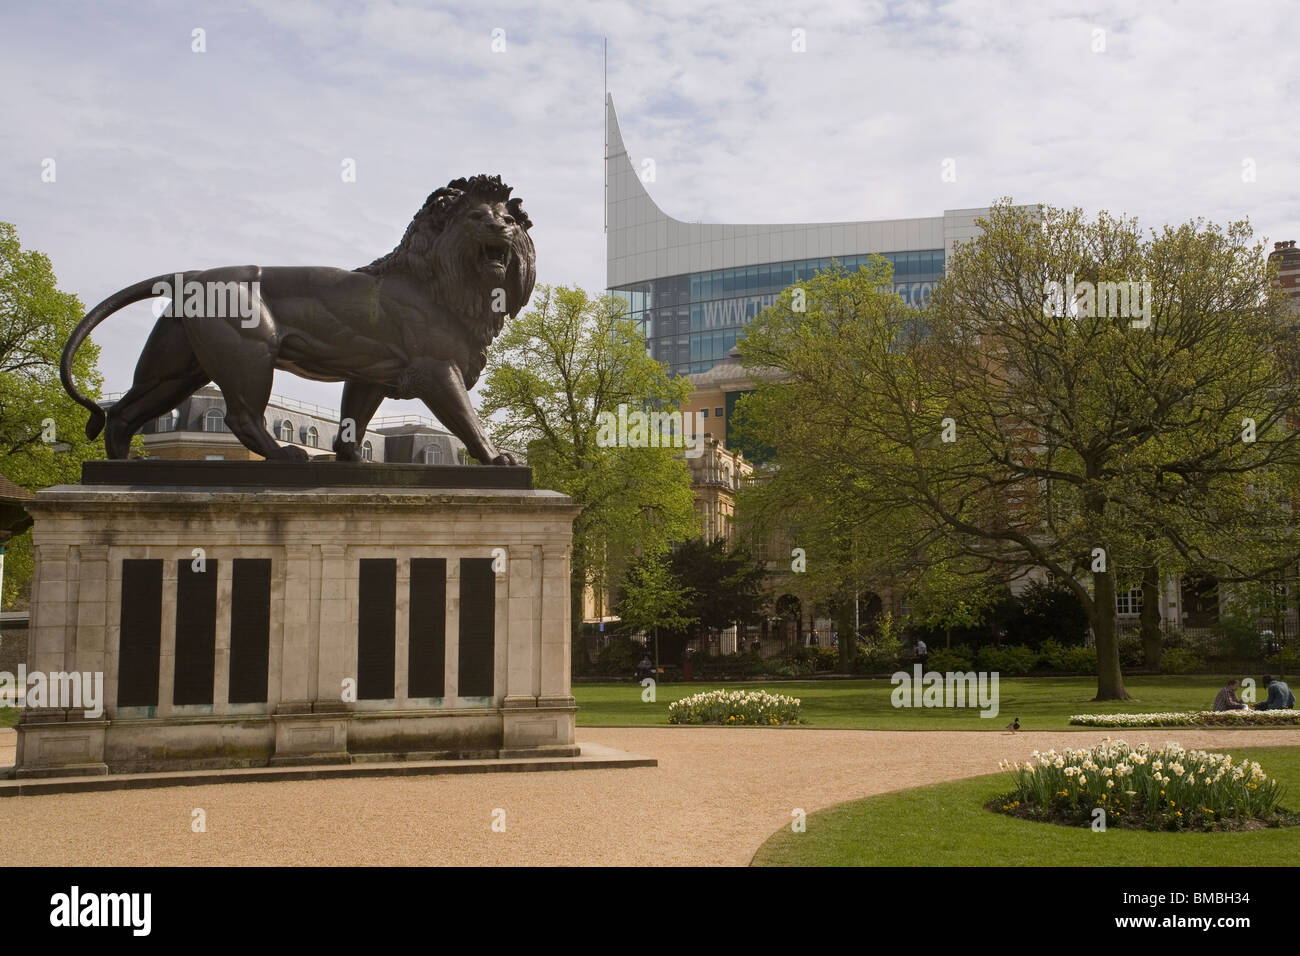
(879,656)
(1285,661)
(619,657)
(824,658)
(1181,661)
(1130,650)
(883,650)
(793,666)
(1068,660)
(1237,639)
(735,707)
(1173,639)
(1047,611)
(743,664)
(1012,661)
(1168,789)
(948,659)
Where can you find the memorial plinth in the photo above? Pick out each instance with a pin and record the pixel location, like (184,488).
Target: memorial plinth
(285,613)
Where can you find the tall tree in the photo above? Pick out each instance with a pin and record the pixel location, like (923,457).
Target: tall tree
(550,377)
(1017,423)
(42,441)
(655,598)
(727,583)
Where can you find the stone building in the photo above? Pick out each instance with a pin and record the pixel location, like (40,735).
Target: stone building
(196,430)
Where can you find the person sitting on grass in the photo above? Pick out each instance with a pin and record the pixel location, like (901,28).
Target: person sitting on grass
(1227,698)
(1279,695)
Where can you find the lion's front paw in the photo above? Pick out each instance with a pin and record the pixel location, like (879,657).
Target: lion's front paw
(292,453)
(506,458)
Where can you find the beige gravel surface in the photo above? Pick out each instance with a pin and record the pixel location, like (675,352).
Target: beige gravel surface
(716,795)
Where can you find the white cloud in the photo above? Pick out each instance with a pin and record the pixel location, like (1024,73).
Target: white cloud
(169,159)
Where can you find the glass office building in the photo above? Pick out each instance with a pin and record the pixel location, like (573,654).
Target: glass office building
(693,287)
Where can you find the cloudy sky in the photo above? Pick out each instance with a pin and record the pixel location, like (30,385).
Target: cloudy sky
(169,159)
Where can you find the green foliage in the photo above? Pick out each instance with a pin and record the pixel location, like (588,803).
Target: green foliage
(726,584)
(879,656)
(823,659)
(734,666)
(619,657)
(1237,638)
(959,657)
(35,321)
(1047,611)
(1181,661)
(1070,432)
(1285,661)
(1014,661)
(1067,660)
(654,597)
(550,375)
(1130,650)
(881,652)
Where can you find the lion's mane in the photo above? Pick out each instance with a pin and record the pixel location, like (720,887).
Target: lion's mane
(424,254)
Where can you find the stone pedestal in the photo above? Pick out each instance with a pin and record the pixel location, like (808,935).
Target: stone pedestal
(252,625)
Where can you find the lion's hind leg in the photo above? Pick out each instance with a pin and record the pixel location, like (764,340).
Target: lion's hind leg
(167,373)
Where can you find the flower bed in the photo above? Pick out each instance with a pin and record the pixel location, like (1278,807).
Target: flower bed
(734,707)
(1204,718)
(1168,789)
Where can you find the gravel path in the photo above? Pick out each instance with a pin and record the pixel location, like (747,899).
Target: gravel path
(716,795)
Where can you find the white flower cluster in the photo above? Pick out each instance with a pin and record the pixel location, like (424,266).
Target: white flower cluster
(735,707)
(1204,718)
(1174,785)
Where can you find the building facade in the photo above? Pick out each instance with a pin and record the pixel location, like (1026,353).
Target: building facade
(693,287)
(196,430)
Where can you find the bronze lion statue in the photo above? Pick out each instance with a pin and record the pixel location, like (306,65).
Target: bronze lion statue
(415,323)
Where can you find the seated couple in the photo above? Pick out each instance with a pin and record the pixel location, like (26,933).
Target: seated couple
(1279,696)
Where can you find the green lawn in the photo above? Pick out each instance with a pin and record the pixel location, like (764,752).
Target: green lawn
(1041,703)
(947,825)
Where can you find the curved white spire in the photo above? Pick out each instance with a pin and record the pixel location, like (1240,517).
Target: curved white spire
(643,242)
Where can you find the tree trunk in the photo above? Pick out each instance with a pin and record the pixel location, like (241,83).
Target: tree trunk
(1110,681)
(1151,599)
(848,640)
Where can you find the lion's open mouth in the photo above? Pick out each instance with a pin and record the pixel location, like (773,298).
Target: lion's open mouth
(496,253)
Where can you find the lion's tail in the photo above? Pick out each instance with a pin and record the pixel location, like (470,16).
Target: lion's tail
(118,300)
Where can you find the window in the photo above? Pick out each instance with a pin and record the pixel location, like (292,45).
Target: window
(166,423)
(460,456)
(704,413)
(215,421)
(367,451)
(717,412)
(1129,602)
(286,430)
(214,457)
(313,437)
(432,454)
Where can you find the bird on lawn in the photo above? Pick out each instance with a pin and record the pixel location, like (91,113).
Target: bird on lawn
(1014,726)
